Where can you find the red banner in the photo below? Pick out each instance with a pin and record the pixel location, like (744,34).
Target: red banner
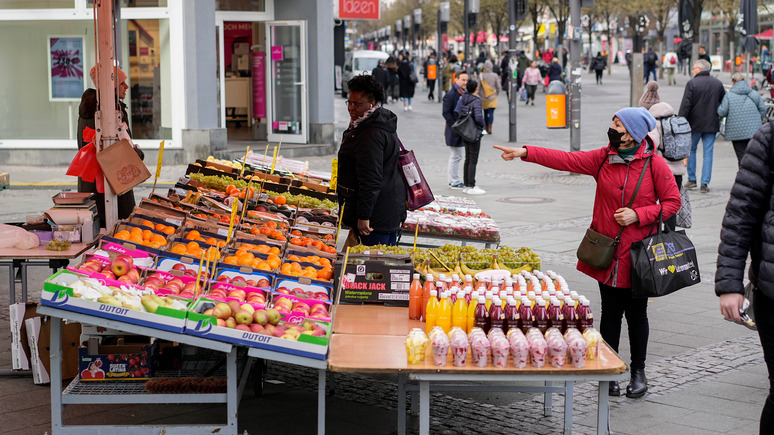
(359,9)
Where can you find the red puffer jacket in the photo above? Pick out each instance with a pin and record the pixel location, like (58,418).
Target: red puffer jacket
(616,181)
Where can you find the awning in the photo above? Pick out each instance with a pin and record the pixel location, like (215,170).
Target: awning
(766,34)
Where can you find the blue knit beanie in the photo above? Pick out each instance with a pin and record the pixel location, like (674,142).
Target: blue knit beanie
(637,120)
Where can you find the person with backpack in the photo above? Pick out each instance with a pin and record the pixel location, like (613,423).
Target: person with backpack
(598,65)
(743,109)
(470,102)
(670,65)
(651,62)
(490,89)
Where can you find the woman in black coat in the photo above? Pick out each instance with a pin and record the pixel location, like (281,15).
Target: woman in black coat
(370,188)
(407,85)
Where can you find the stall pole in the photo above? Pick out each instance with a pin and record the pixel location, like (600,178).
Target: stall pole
(106,118)
(321,378)
(56,374)
(402,404)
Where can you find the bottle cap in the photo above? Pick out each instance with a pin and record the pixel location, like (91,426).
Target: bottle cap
(448,280)
(442,277)
(468,278)
(416,276)
(433,292)
(455,277)
(481,300)
(474,294)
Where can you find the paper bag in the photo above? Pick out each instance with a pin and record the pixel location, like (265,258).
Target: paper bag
(122,167)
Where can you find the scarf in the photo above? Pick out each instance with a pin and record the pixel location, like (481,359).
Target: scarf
(369,112)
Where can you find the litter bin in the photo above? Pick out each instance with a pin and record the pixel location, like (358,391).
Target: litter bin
(556,105)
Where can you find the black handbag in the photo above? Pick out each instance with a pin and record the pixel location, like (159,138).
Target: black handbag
(598,250)
(466,127)
(663,263)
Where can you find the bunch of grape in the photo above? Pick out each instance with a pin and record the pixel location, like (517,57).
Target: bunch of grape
(390,250)
(305,201)
(217,182)
(517,258)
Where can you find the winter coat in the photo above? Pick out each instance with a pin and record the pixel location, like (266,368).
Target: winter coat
(471,103)
(650,58)
(744,109)
(532,76)
(598,63)
(449,104)
(505,70)
(701,99)
(404,79)
(447,70)
(750,204)
(554,72)
(614,175)
(661,111)
(492,80)
(668,64)
(382,75)
(369,181)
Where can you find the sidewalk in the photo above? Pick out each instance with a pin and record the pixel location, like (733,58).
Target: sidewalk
(706,375)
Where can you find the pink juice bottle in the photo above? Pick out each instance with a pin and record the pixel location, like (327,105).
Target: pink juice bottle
(453,293)
(496,315)
(541,315)
(570,315)
(481,315)
(511,315)
(526,315)
(555,315)
(585,316)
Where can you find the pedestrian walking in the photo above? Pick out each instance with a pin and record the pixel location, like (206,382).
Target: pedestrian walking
(430,71)
(554,70)
(699,106)
(531,80)
(490,90)
(470,102)
(747,229)
(651,63)
(453,140)
(448,73)
(670,65)
(522,63)
(743,109)
(382,75)
(505,74)
(406,81)
(703,54)
(598,65)
(616,169)
(392,89)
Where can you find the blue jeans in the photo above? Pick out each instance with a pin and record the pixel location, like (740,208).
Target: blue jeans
(377,238)
(708,144)
(648,70)
(489,116)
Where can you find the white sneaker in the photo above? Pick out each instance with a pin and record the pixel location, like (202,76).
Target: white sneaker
(411,109)
(475,190)
(405,108)
(465,190)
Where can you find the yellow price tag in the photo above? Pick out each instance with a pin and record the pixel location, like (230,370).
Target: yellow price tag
(233,218)
(338,227)
(244,207)
(274,160)
(334,173)
(244,161)
(199,275)
(161,156)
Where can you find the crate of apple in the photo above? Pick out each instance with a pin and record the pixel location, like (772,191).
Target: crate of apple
(248,280)
(292,307)
(164,283)
(320,295)
(121,269)
(228,292)
(266,322)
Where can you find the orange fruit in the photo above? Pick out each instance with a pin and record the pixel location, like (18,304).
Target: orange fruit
(221,243)
(254,230)
(197,252)
(263,249)
(230,260)
(263,266)
(245,260)
(280,200)
(191,246)
(212,254)
(325,273)
(122,235)
(147,234)
(324,261)
(157,227)
(295,233)
(157,238)
(285,269)
(136,231)
(274,250)
(192,235)
(293,257)
(147,223)
(271,224)
(211,241)
(168,230)
(273,263)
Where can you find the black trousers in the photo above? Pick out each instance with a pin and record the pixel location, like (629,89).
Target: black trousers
(617,302)
(598,72)
(431,87)
(671,222)
(471,160)
(765,322)
(739,148)
(531,92)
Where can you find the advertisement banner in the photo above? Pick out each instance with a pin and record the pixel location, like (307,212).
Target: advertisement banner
(359,9)
(65,65)
(259,85)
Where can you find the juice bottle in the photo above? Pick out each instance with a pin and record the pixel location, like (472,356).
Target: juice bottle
(511,314)
(468,281)
(471,315)
(442,278)
(496,315)
(444,317)
(509,291)
(585,316)
(575,298)
(546,296)
(531,297)
(570,314)
(468,293)
(431,312)
(456,279)
(429,285)
(526,315)
(481,287)
(541,315)
(453,290)
(488,299)
(482,315)
(555,315)
(449,283)
(503,298)
(415,298)
(536,287)
(460,312)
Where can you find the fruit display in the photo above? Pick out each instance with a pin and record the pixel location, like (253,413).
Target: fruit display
(314,243)
(320,293)
(235,277)
(229,163)
(302,201)
(235,294)
(58,245)
(164,283)
(288,304)
(264,322)
(189,270)
(121,268)
(125,296)
(447,222)
(243,257)
(145,237)
(293,268)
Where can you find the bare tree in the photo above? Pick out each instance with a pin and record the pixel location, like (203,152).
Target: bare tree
(534,9)
(560,9)
(730,10)
(494,14)
(606,10)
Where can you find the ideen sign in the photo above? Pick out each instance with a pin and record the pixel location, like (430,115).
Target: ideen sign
(359,9)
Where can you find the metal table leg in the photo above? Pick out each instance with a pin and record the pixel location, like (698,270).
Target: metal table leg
(548,400)
(232,404)
(568,392)
(321,378)
(11,280)
(603,410)
(56,374)
(401,404)
(424,408)
(23,268)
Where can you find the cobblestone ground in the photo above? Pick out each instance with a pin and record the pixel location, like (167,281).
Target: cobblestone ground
(454,415)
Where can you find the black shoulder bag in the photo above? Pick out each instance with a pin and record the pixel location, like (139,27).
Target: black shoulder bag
(598,250)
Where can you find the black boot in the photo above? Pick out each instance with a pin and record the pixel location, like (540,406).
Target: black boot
(613,389)
(638,385)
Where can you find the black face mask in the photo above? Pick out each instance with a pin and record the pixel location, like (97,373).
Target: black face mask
(615,138)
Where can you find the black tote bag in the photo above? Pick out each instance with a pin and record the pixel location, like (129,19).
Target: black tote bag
(663,263)
(466,127)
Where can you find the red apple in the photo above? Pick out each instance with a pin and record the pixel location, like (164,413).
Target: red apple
(122,264)
(179,266)
(251,283)
(133,275)
(187,295)
(260,317)
(109,275)
(221,322)
(231,323)
(256,328)
(263,282)
(237,294)
(224,278)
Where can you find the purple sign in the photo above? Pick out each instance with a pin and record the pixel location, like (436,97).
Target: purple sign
(259,84)
(276,52)
(65,58)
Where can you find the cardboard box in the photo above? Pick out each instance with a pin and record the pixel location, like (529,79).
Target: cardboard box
(20,348)
(118,362)
(122,167)
(377,281)
(39,339)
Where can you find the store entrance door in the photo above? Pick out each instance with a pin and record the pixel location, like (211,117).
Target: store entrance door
(286,95)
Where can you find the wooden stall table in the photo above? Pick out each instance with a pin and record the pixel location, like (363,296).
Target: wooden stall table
(362,353)
(22,258)
(373,320)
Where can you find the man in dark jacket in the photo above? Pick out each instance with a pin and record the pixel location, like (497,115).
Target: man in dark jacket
(370,187)
(747,229)
(598,65)
(650,61)
(703,54)
(505,72)
(701,99)
(382,75)
(453,140)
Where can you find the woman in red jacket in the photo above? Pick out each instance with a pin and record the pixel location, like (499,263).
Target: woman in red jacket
(616,168)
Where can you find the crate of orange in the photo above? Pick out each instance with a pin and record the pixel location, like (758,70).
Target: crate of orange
(196,249)
(209,237)
(154,223)
(311,246)
(141,237)
(243,257)
(312,267)
(266,247)
(327,237)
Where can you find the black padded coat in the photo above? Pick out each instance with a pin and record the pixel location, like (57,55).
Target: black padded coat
(748,225)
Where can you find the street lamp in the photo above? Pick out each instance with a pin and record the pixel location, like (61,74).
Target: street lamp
(406,28)
(398,27)
(472,7)
(416,27)
(443,26)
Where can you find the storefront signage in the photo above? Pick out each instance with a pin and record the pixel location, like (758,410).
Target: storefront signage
(359,9)
(65,66)
(276,53)
(259,85)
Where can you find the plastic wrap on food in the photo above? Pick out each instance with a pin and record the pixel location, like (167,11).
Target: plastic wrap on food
(416,345)
(500,351)
(474,332)
(557,350)
(537,350)
(519,348)
(553,331)
(576,349)
(459,347)
(440,346)
(495,332)
(479,349)
(593,338)
(533,333)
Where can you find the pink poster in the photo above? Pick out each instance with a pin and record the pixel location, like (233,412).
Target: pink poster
(259,84)
(276,52)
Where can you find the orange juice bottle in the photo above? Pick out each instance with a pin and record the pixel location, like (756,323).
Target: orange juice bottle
(415,298)
(460,312)
(444,313)
(429,285)
(431,311)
